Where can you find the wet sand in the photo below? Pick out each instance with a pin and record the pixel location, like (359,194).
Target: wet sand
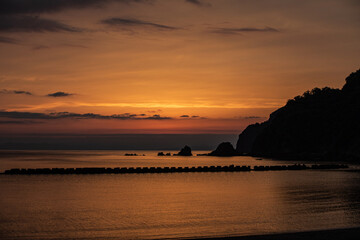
(336,234)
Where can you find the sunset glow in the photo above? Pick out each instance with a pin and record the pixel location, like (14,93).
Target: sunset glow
(180,66)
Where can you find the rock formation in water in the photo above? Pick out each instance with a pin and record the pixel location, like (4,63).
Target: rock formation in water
(185,151)
(130,154)
(225,149)
(321,124)
(163,154)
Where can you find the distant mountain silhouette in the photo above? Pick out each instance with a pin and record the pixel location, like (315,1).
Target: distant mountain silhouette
(321,124)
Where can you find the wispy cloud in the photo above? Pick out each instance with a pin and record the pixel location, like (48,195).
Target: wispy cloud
(8,40)
(156,117)
(49,6)
(41,47)
(199,3)
(20,122)
(69,115)
(185,116)
(244,30)
(253,117)
(130,22)
(17,15)
(5,91)
(33,24)
(59,94)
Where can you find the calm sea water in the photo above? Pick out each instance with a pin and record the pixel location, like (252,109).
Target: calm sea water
(169,205)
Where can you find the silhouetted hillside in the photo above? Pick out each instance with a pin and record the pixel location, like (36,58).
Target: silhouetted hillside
(320,124)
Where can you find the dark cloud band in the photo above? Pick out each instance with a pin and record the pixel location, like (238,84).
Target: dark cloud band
(47,6)
(243,30)
(5,91)
(127,22)
(8,40)
(59,94)
(198,3)
(33,24)
(68,115)
(19,122)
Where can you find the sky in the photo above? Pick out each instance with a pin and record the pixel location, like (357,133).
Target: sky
(166,66)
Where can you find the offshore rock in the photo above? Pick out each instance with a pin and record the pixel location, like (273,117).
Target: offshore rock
(225,149)
(185,151)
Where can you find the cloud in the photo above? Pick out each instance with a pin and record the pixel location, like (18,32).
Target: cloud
(243,30)
(59,94)
(41,47)
(8,40)
(155,111)
(253,117)
(5,91)
(198,3)
(20,122)
(130,22)
(74,46)
(68,115)
(33,24)
(192,117)
(14,14)
(157,117)
(47,6)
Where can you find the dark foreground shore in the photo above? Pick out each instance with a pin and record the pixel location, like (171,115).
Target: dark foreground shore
(336,234)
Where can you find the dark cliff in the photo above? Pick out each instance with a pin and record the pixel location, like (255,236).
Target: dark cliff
(321,124)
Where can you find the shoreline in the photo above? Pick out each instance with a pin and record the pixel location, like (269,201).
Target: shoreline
(336,234)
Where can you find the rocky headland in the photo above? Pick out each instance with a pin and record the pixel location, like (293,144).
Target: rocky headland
(321,124)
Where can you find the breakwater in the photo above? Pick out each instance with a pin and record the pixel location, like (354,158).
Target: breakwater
(230,168)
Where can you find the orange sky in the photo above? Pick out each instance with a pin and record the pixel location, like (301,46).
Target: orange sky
(223,63)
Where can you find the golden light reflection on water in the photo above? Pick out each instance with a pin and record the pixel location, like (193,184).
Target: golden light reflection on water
(176,205)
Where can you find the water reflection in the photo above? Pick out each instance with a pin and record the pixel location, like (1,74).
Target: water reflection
(320,199)
(147,206)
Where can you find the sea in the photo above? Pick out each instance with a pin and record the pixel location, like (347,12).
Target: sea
(169,205)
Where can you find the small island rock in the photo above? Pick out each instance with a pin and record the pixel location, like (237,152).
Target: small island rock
(185,151)
(225,149)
